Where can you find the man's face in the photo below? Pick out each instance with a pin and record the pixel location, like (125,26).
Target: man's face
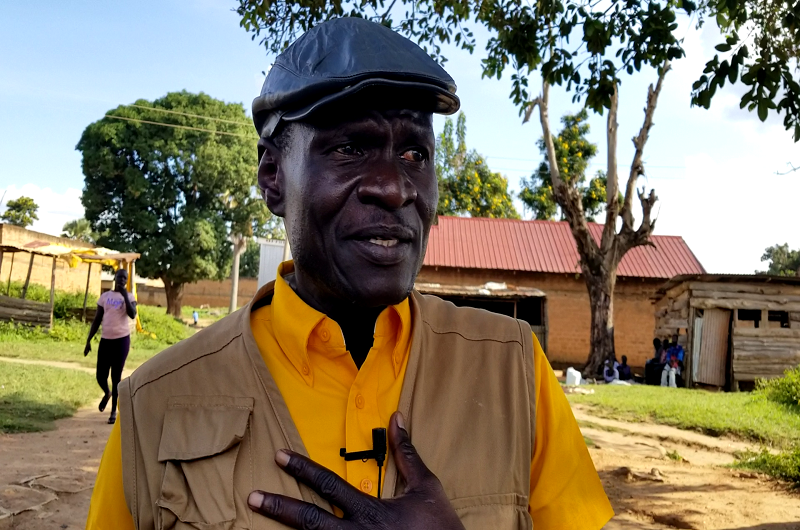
(359,194)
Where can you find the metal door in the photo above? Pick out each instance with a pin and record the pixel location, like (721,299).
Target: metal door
(714,347)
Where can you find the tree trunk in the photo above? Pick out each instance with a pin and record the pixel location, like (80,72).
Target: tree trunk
(601,300)
(239,246)
(174,292)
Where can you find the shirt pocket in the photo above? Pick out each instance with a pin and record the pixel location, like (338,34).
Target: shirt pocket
(505,511)
(199,445)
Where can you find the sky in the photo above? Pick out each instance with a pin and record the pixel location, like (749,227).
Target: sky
(64,64)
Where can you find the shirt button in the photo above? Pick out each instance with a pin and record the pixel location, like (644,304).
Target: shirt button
(366,485)
(306,369)
(325,335)
(360,401)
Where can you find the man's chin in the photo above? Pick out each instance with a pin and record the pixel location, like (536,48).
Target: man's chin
(379,295)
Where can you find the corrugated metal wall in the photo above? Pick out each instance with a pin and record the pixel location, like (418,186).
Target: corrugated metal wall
(270,257)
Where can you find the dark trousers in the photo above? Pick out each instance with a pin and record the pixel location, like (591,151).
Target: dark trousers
(111,355)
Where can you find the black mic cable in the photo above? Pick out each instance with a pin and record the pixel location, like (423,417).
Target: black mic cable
(377,453)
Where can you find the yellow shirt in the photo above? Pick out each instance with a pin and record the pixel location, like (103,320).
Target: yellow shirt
(335,405)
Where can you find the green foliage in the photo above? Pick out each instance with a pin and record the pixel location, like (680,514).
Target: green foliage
(466,184)
(581,44)
(763,57)
(33,397)
(250,259)
(782,261)
(174,193)
(160,328)
(573,153)
(20,212)
(674,455)
(81,230)
(63,301)
(784,466)
(738,414)
(784,390)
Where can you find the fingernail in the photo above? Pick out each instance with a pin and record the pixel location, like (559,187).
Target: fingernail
(255,499)
(282,458)
(400,421)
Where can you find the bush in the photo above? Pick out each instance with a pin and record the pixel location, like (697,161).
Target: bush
(785,466)
(785,390)
(62,303)
(167,329)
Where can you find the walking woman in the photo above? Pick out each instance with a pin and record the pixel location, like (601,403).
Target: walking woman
(114,311)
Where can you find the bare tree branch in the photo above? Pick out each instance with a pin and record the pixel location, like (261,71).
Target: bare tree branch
(637,167)
(612,180)
(529,111)
(789,171)
(566,194)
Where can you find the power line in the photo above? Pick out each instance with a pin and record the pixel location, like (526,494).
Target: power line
(235,122)
(252,137)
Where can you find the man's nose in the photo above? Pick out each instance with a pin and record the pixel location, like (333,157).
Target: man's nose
(388,187)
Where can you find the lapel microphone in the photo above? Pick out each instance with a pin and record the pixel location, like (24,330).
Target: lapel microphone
(377,453)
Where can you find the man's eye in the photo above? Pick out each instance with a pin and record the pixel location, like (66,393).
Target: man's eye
(413,155)
(349,150)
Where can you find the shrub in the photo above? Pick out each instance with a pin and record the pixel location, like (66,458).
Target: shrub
(63,301)
(785,466)
(167,329)
(785,390)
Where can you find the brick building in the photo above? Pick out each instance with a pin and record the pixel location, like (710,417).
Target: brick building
(530,268)
(16,265)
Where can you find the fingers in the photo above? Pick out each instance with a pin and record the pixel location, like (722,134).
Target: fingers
(409,464)
(324,481)
(292,512)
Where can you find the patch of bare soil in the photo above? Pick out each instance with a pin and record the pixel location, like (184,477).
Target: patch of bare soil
(693,489)
(46,478)
(51,474)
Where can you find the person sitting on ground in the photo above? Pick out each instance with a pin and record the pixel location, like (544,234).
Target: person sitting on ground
(114,311)
(674,364)
(610,372)
(665,345)
(624,370)
(656,351)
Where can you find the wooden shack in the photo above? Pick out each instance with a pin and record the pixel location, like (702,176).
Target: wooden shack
(735,329)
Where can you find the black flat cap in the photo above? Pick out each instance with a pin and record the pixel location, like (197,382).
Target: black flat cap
(348,56)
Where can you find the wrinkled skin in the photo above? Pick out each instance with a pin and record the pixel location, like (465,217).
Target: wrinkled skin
(422,505)
(358,193)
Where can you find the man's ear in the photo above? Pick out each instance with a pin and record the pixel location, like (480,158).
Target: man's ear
(270,176)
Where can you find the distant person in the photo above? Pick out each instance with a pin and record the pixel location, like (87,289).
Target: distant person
(665,345)
(674,364)
(114,311)
(656,351)
(624,370)
(610,372)
(195,317)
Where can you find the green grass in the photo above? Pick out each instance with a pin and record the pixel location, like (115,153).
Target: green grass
(785,390)
(785,465)
(32,397)
(66,341)
(750,416)
(674,455)
(211,313)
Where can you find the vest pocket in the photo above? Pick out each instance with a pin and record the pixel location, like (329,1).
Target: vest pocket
(199,446)
(505,511)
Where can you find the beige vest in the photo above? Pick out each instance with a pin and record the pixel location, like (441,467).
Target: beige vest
(202,420)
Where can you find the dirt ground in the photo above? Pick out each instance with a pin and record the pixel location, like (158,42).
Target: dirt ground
(54,470)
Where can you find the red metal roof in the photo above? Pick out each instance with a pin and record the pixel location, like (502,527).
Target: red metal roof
(544,246)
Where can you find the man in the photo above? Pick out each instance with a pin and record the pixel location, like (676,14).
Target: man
(115,309)
(483,436)
(624,370)
(673,365)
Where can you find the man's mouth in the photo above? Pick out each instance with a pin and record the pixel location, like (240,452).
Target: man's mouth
(384,242)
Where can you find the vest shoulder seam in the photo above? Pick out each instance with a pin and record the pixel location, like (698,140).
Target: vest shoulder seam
(471,339)
(159,374)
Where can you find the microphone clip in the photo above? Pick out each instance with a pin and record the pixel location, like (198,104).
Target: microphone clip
(377,453)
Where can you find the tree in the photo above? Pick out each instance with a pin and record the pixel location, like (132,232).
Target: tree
(782,261)
(173,179)
(81,230)
(466,184)
(586,47)
(574,151)
(251,258)
(21,212)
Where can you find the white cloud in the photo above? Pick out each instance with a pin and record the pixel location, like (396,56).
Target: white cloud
(55,209)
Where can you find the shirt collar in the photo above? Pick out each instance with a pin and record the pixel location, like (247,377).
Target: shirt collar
(295,322)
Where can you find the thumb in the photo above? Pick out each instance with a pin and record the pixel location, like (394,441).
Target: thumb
(410,466)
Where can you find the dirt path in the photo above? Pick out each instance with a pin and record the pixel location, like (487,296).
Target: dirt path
(698,493)
(59,364)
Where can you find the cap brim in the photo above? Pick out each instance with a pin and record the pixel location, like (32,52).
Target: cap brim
(375,92)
